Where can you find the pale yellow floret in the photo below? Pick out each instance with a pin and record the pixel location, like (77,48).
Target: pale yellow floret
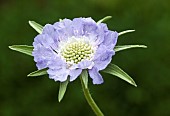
(77,51)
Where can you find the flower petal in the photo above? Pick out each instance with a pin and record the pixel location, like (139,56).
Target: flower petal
(74,74)
(103,26)
(95,75)
(42,56)
(62,24)
(56,63)
(86,64)
(58,74)
(50,48)
(77,27)
(110,39)
(45,40)
(41,64)
(49,30)
(103,58)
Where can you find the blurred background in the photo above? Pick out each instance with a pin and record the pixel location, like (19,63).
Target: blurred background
(23,96)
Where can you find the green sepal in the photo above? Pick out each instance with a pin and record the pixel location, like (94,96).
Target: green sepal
(124,32)
(116,71)
(124,47)
(62,89)
(23,49)
(36,26)
(104,19)
(84,76)
(38,73)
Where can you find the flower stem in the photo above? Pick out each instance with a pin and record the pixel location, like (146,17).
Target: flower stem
(90,100)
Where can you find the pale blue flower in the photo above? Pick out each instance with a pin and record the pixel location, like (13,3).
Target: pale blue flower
(70,46)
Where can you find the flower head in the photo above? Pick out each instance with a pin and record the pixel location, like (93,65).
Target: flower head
(69,46)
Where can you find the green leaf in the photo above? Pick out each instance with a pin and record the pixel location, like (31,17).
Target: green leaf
(38,73)
(124,47)
(84,75)
(62,90)
(116,71)
(124,32)
(36,26)
(23,49)
(104,19)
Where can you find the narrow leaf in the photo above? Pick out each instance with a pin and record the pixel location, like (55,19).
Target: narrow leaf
(38,73)
(104,19)
(116,71)
(36,26)
(124,47)
(124,32)
(84,75)
(23,49)
(62,90)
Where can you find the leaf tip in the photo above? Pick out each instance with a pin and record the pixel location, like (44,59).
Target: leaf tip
(132,30)
(30,22)
(59,100)
(10,47)
(109,17)
(104,19)
(60,20)
(124,32)
(29,75)
(144,46)
(133,83)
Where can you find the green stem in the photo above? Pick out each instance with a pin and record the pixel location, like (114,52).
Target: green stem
(90,100)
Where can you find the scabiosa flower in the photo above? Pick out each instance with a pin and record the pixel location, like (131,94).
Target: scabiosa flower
(70,46)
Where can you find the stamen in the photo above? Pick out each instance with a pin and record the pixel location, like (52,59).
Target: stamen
(77,51)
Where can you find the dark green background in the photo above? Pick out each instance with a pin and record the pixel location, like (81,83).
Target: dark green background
(150,68)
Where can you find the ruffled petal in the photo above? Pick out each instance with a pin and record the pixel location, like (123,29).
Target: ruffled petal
(102,57)
(42,56)
(103,26)
(86,64)
(58,74)
(57,63)
(90,28)
(49,30)
(41,64)
(99,51)
(110,39)
(77,27)
(62,24)
(43,39)
(95,75)
(41,53)
(74,74)
(102,62)
(49,46)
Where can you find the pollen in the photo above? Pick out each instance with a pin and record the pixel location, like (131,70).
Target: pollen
(77,51)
